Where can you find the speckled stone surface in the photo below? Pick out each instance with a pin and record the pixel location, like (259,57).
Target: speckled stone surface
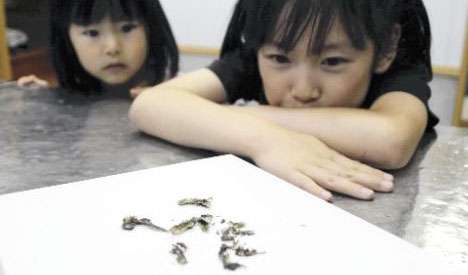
(54,137)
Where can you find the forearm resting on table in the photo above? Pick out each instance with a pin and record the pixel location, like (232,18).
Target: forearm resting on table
(182,117)
(189,120)
(383,139)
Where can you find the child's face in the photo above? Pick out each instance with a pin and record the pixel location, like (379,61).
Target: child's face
(338,77)
(112,52)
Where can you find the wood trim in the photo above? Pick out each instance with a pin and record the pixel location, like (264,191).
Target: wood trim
(199,50)
(463,123)
(5,65)
(462,86)
(446,71)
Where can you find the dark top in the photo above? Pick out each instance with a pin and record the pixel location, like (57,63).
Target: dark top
(242,80)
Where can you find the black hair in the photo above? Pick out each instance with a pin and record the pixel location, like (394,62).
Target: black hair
(163,55)
(257,22)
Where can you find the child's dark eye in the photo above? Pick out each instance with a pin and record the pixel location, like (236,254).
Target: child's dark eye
(128,27)
(334,61)
(91,33)
(278,58)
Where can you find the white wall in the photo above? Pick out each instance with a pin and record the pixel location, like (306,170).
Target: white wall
(448,19)
(199,23)
(202,23)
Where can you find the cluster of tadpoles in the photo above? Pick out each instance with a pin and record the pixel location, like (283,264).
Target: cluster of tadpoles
(230,238)
(229,235)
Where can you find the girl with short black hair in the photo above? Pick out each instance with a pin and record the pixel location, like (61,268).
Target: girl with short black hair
(342,87)
(109,45)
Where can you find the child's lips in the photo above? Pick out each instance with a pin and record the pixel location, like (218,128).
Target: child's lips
(115,67)
(300,104)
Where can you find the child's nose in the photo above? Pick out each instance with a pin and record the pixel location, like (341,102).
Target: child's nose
(306,95)
(306,88)
(111,45)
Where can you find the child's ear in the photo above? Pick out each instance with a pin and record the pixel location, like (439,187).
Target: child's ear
(385,61)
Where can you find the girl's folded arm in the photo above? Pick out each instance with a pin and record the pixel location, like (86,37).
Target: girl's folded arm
(186,111)
(386,135)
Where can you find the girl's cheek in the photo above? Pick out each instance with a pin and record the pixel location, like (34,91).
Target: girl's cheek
(350,90)
(274,95)
(277,86)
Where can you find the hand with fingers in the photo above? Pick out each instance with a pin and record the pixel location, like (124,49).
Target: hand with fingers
(32,81)
(310,164)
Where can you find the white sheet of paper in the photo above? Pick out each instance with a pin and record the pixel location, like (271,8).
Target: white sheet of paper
(76,228)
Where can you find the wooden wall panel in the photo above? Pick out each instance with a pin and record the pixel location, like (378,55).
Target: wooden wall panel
(5,64)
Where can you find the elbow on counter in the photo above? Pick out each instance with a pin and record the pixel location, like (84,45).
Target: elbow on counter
(138,114)
(399,137)
(395,157)
(395,154)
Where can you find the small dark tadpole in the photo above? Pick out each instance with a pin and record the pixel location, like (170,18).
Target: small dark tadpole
(206,203)
(234,230)
(204,222)
(183,226)
(179,250)
(225,258)
(129,223)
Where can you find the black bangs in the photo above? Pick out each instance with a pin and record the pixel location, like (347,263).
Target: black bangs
(88,12)
(292,20)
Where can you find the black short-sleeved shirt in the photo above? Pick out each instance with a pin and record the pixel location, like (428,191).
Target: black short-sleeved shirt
(241,81)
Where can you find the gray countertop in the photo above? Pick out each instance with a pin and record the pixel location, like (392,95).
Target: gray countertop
(50,137)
